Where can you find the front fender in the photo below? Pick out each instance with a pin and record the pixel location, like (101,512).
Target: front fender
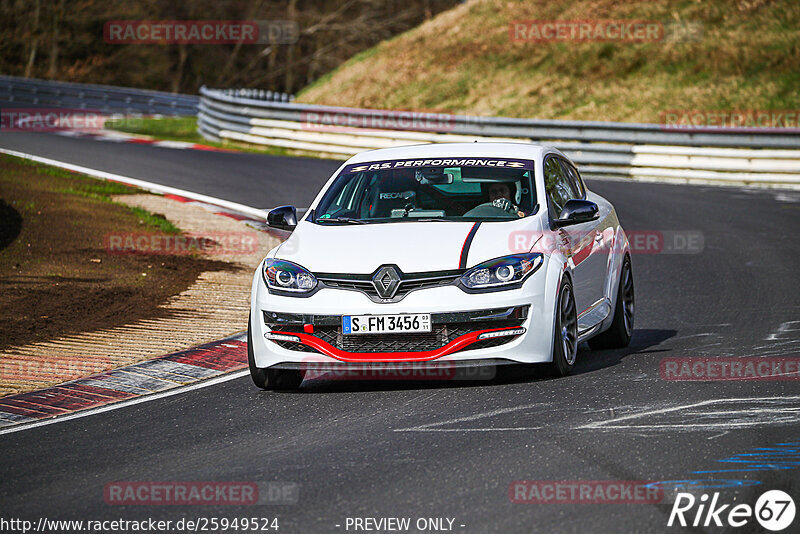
(557,268)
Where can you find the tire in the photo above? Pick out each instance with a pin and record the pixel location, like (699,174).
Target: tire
(619,334)
(565,333)
(270,379)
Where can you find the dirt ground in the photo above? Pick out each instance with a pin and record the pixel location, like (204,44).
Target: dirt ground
(56,275)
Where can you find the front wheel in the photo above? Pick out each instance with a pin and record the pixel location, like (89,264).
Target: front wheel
(619,334)
(565,335)
(270,378)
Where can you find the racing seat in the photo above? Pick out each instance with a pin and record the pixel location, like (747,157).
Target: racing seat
(385,195)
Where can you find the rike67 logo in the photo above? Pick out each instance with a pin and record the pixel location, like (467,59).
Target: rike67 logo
(774,510)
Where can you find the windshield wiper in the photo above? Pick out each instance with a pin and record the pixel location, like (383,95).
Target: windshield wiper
(346,220)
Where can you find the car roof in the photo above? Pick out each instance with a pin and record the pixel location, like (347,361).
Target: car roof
(442,150)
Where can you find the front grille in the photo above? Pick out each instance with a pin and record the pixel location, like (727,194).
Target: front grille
(295,346)
(407,284)
(357,285)
(418,342)
(414,342)
(446,328)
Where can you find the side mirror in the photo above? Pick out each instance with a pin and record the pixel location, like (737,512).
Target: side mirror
(283,218)
(576,212)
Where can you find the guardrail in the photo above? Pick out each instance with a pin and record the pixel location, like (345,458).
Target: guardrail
(257,94)
(22,92)
(603,149)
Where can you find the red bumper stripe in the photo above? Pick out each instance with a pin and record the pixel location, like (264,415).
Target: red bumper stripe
(458,343)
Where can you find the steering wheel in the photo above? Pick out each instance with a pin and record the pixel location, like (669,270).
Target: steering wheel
(487,209)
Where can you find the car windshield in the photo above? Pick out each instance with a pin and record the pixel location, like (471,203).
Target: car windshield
(456,189)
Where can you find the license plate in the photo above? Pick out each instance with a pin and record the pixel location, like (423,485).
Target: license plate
(386,324)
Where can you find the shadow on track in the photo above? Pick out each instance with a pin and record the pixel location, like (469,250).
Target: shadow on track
(641,343)
(10,224)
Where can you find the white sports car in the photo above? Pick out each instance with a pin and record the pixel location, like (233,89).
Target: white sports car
(463,254)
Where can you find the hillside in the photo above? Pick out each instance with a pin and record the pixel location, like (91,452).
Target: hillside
(464,61)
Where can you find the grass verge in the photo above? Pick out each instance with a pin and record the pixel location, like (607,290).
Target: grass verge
(182,129)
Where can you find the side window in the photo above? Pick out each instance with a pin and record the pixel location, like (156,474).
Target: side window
(573,178)
(342,197)
(556,185)
(354,194)
(347,199)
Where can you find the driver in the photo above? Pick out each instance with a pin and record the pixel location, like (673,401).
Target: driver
(499,194)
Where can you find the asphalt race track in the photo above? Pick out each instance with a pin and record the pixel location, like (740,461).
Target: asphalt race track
(443,449)
(250,179)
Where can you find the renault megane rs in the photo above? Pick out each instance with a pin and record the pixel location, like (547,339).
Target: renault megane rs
(447,254)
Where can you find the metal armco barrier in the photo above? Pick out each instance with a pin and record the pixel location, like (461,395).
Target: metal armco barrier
(29,92)
(603,149)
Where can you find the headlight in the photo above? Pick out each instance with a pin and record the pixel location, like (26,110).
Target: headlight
(502,273)
(282,275)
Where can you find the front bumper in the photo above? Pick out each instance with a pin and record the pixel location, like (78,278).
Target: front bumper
(313,326)
(451,333)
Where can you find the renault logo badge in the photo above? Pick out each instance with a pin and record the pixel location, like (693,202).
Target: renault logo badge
(386,281)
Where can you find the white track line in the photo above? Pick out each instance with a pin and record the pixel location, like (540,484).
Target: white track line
(612,423)
(428,426)
(502,429)
(149,186)
(125,403)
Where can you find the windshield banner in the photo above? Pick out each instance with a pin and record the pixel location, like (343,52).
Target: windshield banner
(452,162)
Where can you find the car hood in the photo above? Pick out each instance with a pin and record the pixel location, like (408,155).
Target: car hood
(412,246)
